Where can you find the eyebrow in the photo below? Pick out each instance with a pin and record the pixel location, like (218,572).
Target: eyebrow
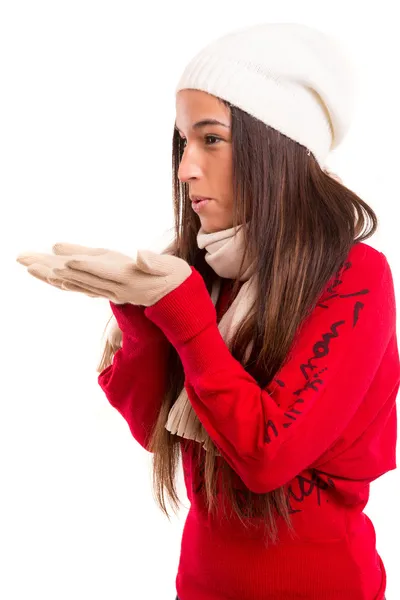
(205,122)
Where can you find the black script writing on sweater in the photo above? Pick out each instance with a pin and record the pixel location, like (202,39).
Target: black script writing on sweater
(298,490)
(305,487)
(310,371)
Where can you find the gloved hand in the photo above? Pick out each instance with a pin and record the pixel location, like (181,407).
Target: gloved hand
(98,272)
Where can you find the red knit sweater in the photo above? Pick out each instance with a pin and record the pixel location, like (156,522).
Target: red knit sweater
(325,427)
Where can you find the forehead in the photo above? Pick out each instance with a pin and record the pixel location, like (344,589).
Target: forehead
(192,105)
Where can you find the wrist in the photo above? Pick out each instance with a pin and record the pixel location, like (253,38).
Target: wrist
(185,311)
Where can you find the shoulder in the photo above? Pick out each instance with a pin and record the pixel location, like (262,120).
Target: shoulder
(364,257)
(361,292)
(365,265)
(364,280)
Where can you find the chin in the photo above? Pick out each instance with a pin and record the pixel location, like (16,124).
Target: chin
(213,227)
(209,229)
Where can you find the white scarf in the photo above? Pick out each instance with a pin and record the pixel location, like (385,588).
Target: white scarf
(224,254)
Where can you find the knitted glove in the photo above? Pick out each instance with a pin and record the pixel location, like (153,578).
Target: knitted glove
(99,272)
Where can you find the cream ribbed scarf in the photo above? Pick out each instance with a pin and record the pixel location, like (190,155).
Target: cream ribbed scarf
(224,254)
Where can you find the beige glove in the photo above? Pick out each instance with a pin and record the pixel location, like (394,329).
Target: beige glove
(98,272)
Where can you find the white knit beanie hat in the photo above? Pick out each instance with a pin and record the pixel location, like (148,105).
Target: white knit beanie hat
(290,76)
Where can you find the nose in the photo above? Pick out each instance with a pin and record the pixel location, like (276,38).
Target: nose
(189,167)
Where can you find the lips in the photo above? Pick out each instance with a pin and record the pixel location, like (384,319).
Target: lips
(197,199)
(199,203)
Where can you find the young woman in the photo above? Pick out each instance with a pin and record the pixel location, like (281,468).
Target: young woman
(260,347)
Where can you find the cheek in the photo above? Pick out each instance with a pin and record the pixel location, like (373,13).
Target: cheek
(225,171)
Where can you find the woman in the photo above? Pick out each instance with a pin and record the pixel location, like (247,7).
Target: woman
(260,346)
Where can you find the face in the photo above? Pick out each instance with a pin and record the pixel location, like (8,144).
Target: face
(206,164)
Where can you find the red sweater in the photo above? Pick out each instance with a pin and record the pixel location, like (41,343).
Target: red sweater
(325,427)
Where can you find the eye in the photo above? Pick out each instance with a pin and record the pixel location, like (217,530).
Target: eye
(207,137)
(212,137)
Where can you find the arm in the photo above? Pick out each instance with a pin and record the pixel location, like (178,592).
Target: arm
(135,383)
(268,437)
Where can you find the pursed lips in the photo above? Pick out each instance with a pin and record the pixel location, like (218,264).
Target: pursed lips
(199,198)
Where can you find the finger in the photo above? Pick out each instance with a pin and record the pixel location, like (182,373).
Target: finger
(41,273)
(63,248)
(70,287)
(152,263)
(84,279)
(44,275)
(115,273)
(30,258)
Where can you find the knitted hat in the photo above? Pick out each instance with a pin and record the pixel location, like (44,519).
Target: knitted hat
(290,76)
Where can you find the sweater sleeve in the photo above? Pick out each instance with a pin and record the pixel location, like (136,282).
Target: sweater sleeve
(269,436)
(135,382)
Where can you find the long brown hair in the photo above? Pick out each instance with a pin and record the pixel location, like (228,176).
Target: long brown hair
(302,224)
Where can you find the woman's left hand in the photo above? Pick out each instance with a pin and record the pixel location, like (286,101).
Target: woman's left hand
(103,273)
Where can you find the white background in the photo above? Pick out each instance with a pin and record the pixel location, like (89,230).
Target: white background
(87,113)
